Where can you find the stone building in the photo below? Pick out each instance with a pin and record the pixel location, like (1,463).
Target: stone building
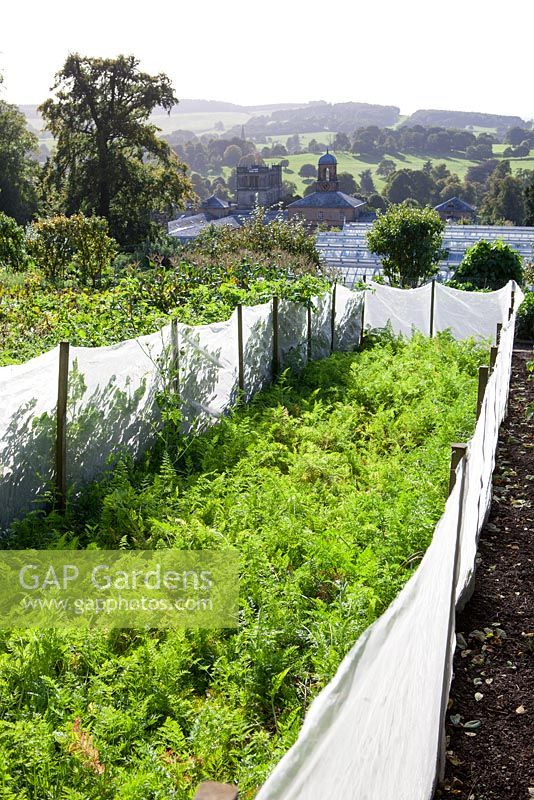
(455,209)
(327,205)
(258,184)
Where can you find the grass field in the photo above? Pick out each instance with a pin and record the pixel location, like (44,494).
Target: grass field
(347,162)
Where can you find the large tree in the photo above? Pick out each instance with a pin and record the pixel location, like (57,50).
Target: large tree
(109,160)
(18,164)
(409,242)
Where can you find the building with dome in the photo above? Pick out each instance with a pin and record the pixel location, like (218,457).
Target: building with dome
(327,205)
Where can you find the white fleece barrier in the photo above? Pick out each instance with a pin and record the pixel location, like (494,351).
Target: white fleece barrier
(114,392)
(374,731)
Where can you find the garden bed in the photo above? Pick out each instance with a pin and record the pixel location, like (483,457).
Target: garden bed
(329,485)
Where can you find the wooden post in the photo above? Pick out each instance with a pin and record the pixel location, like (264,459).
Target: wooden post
(363,317)
(498,334)
(240,358)
(309,330)
(483,374)
(209,790)
(458,452)
(432,304)
(276,346)
(333,320)
(512,301)
(61,427)
(493,357)
(175,358)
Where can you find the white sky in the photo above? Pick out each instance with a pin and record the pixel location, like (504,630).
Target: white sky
(473,55)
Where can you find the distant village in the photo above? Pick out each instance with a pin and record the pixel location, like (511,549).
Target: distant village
(326,207)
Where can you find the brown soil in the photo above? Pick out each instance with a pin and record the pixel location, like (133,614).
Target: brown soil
(494,661)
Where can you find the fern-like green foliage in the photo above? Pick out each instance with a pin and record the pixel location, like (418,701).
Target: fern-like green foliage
(329,485)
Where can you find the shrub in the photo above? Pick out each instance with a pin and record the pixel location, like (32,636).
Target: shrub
(409,242)
(525,318)
(72,247)
(490,265)
(12,244)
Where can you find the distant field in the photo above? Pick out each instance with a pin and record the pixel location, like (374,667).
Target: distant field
(201,122)
(355,164)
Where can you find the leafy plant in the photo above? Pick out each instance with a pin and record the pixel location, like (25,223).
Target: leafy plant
(490,265)
(13,255)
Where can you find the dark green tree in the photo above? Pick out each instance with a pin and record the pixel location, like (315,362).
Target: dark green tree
(489,265)
(367,185)
(409,242)
(504,198)
(109,160)
(18,164)
(308,171)
(347,184)
(529,201)
(386,167)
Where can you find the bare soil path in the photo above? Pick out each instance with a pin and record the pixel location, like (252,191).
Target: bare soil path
(492,758)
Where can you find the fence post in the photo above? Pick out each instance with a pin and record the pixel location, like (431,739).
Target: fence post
(333,319)
(61,427)
(432,304)
(364,295)
(493,357)
(240,359)
(458,452)
(276,346)
(175,358)
(498,334)
(483,374)
(309,330)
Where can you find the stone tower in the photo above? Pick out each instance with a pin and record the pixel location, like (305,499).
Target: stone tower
(258,184)
(327,174)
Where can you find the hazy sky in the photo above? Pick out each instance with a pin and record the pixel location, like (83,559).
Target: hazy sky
(467,55)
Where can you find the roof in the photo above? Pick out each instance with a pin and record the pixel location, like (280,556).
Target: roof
(455,204)
(328,200)
(215,202)
(186,228)
(327,159)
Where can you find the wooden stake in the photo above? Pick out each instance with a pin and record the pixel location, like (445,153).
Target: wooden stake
(458,451)
(493,357)
(276,346)
(483,374)
(432,304)
(175,358)
(363,317)
(498,334)
(333,320)
(61,426)
(240,354)
(309,330)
